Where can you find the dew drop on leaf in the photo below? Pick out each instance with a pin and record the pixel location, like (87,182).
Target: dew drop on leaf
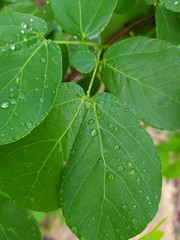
(138,180)
(5,105)
(132,171)
(12,46)
(74,230)
(23,25)
(110,176)
(29,124)
(134,221)
(91,121)
(110,125)
(120,168)
(13,101)
(116,147)
(36,89)
(124,206)
(93,132)
(43,60)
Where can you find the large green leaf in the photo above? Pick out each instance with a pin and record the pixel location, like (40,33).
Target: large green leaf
(144,74)
(168,25)
(31,168)
(124,6)
(173,5)
(112,182)
(83,18)
(15,222)
(30,70)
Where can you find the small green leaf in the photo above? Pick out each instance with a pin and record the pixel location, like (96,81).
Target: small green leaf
(173,5)
(83,60)
(124,6)
(83,18)
(144,74)
(170,158)
(168,25)
(16,222)
(155,234)
(112,183)
(31,169)
(30,69)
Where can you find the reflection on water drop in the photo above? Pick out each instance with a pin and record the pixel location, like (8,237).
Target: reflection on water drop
(5,105)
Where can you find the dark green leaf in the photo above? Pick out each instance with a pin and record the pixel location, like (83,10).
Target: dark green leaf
(15,222)
(84,83)
(124,6)
(31,168)
(170,158)
(30,70)
(83,60)
(83,18)
(144,74)
(173,5)
(168,25)
(112,182)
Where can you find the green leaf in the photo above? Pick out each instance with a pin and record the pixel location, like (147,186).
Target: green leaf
(83,59)
(168,25)
(83,18)
(155,234)
(144,74)
(170,158)
(124,6)
(30,70)
(173,5)
(16,222)
(150,2)
(112,182)
(84,83)
(31,168)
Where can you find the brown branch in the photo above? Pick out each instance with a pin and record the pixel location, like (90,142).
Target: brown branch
(129,27)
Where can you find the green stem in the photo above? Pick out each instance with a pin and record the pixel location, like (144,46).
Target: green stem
(77,43)
(94,74)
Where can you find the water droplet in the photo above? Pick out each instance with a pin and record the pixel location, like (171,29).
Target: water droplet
(43,60)
(134,206)
(100,160)
(72,152)
(91,121)
(13,101)
(114,98)
(12,46)
(41,100)
(120,168)
(11,95)
(15,114)
(150,203)
(5,105)
(23,25)
(83,238)
(110,176)
(132,171)
(17,137)
(22,31)
(176,2)
(116,129)
(118,159)
(124,206)
(31,19)
(110,125)
(22,95)
(134,220)
(37,89)
(129,164)
(93,132)
(74,230)
(147,197)
(29,124)
(119,105)
(138,180)
(140,191)
(144,170)
(116,147)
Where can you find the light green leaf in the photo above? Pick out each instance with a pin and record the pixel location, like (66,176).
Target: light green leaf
(83,18)
(168,25)
(112,182)
(170,157)
(31,168)
(173,5)
(124,6)
(155,234)
(144,74)
(83,59)
(15,222)
(30,70)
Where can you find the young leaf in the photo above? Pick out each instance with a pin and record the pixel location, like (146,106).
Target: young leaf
(31,168)
(16,222)
(30,70)
(144,74)
(173,5)
(83,18)
(112,182)
(168,25)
